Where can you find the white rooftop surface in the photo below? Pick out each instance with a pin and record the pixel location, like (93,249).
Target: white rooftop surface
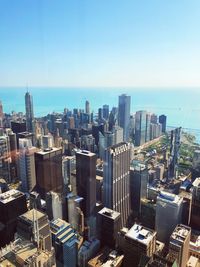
(86,153)
(44,152)
(141,234)
(109,213)
(196,182)
(168,197)
(180,233)
(9,196)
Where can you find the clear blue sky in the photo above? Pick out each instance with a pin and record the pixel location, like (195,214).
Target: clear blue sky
(100,42)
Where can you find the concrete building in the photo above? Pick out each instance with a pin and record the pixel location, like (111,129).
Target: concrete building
(22,253)
(107,258)
(124,114)
(136,242)
(118,131)
(27,164)
(47,141)
(55,205)
(195,245)
(116,183)
(168,214)
(34,225)
(195,222)
(179,244)
(5,158)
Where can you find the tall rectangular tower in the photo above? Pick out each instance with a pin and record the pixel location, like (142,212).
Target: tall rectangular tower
(27,164)
(29,112)
(86,180)
(140,127)
(168,214)
(179,244)
(48,166)
(116,183)
(124,114)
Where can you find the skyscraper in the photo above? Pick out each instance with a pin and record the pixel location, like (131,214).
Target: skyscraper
(12,205)
(140,127)
(109,226)
(174,152)
(86,180)
(163,122)
(124,114)
(27,164)
(116,180)
(105,112)
(168,214)
(138,187)
(179,244)
(65,242)
(87,107)
(136,242)
(29,113)
(1,115)
(48,166)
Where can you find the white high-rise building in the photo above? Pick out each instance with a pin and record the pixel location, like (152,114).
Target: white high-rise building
(168,214)
(27,164)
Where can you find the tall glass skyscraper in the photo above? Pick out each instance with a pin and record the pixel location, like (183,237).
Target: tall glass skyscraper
(29,113)
(140,127)
(124,114)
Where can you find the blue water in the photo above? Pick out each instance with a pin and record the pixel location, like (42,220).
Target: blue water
(182,107)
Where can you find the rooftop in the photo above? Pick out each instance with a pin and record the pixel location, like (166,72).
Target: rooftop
(141,234)
(192,262)
(58,224)
(196,182)
(47,151)
(29,215)
(180,233)
(109,213)
(106,258)
(86,153)
(170,198)
(20,251)
(10,195)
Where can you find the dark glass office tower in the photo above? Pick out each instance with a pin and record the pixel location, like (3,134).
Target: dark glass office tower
(124,114)
(29,112)
(105,112)
(116,183)
(86,180)
(163,122)
(48,166)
